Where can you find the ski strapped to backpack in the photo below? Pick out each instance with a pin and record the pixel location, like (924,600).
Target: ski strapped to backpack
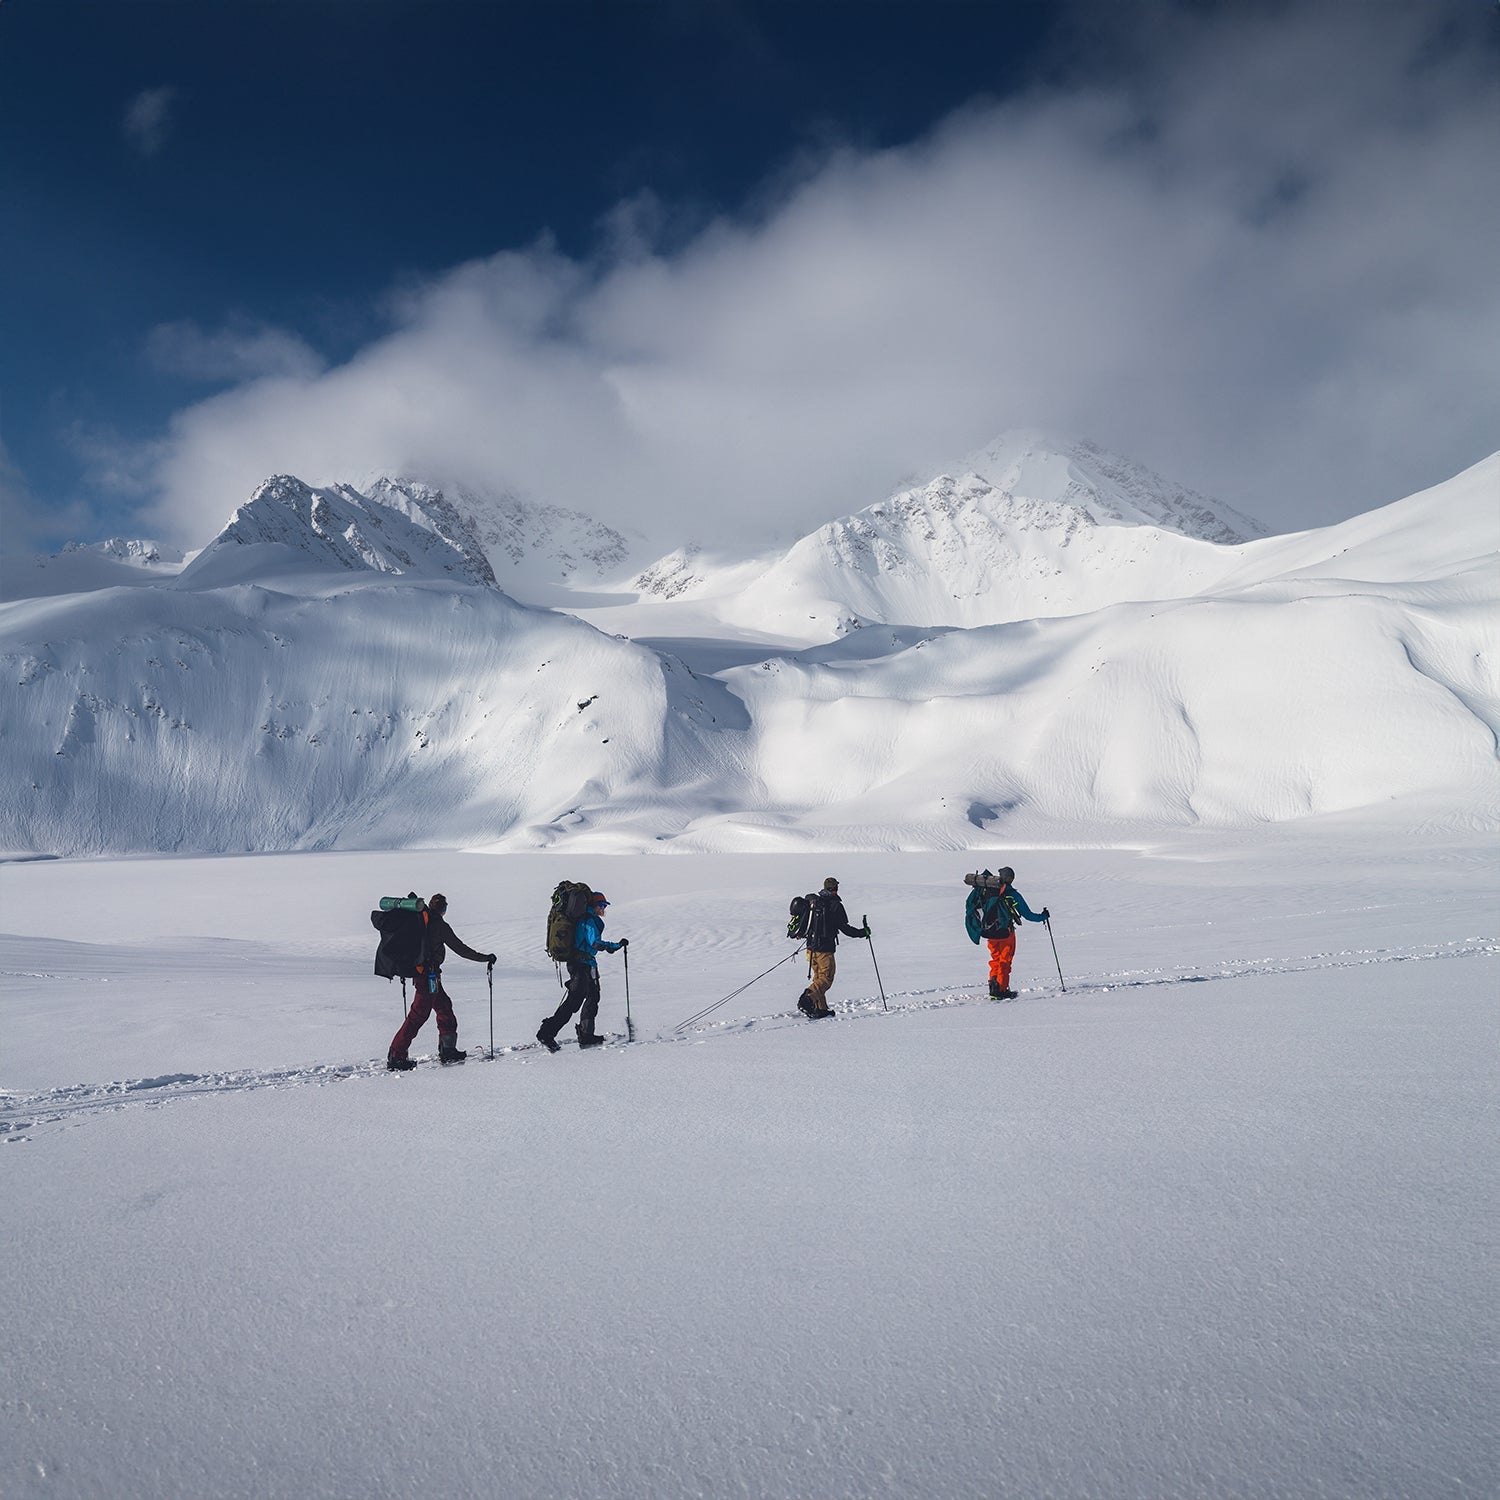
(801,911)
(570,904)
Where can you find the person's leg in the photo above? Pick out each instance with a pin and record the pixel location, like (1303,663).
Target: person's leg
(822,981)
(447,1024)
(1002,955)
(416,1019)
(590,1008)
(574,994)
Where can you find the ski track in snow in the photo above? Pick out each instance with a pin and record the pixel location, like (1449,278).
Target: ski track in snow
(20,1115)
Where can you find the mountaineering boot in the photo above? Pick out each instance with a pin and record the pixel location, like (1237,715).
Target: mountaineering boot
(394,1064)
(996,993)
(818,1012)
(547,1040)
(1006,995)
(450,1055)
(589,1039)
(805,1003)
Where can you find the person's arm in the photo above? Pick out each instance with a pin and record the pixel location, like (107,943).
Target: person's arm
(842,918)
(1025,911)
(452,940)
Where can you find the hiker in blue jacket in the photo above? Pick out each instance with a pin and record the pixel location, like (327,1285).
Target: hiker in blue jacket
(581,994)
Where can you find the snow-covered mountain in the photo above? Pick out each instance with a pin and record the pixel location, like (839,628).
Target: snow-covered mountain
(288,528)
(80,566)
(337,668)
(1025,528)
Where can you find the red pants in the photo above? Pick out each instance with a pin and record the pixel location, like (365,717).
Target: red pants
(1002,954)
(431,998)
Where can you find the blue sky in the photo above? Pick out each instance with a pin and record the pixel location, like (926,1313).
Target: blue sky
(597,252)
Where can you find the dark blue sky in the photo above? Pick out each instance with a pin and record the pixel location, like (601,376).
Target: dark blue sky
(1250,243)
(314,152)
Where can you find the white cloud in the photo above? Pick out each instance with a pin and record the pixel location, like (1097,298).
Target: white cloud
(242,350)
(148,119)
(1265,266)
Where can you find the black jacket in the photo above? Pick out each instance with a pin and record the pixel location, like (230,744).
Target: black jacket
(826,920)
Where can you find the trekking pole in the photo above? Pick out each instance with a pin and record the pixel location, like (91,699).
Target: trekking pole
(1047,922)
(629,1024)
(708,1010)
(489,970)
(876,962)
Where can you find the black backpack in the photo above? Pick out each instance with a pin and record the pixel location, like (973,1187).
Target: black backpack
(801,911)
(809,917)
(403,936)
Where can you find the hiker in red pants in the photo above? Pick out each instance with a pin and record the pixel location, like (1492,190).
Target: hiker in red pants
(431,998)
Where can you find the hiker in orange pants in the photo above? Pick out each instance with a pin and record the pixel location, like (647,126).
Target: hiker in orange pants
(991,913)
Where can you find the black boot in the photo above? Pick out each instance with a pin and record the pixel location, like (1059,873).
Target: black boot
(996,993)
(589,1039)
(448,1050)
(547,1040)
(805,1003)
(818,1012)
(394,1064)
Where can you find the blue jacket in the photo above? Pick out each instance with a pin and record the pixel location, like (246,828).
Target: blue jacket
(996,910)
(589,939)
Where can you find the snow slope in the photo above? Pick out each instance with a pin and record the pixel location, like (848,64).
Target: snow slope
(337,671)
(1211,1223)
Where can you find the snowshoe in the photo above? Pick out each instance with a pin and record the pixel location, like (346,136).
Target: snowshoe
(394,1064)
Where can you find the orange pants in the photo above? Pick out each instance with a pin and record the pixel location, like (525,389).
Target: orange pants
(1002,955)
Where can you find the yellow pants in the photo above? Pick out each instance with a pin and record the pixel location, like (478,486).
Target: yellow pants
(821,965)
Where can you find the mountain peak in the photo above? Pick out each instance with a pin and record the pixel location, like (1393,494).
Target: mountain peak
(1105,487)
(288,525)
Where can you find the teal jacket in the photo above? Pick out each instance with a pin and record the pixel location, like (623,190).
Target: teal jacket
(992,914)
(589,939)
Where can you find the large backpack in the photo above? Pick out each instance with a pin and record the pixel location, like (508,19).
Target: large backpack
(987,914)
(403,936)
(809,917)
(570,903)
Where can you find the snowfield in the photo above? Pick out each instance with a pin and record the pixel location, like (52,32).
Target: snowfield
(1218,1220)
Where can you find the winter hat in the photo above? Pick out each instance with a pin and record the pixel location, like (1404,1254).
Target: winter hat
(830,884)
(438,902)
(1006,874)
(598,898)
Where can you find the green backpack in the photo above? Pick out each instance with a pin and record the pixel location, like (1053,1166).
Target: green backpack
(570,902)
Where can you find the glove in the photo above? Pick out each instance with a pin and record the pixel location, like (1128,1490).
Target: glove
(489,958)
(1046,915)
(624,942)
(866,931)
